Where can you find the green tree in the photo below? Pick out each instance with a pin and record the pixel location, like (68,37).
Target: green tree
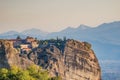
(33,72)
(38,73)
(18,37)
(4,74)
(24,75)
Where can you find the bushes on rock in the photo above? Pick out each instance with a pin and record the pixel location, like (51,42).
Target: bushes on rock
(88,45)
(31,73)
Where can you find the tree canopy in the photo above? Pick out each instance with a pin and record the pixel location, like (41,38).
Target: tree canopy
(33,72)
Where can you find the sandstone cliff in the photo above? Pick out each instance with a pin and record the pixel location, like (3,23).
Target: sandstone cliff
(74,61)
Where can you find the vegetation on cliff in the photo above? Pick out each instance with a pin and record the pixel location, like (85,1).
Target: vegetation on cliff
(31,73)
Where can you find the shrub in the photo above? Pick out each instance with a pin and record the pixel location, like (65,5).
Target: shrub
(33,72)
(88,45)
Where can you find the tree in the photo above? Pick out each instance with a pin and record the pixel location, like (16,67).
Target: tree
(33,72)
(37,72)
(3,74)
(64,38)
(18,38)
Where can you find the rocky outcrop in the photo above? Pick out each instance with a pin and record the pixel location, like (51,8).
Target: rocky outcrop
(10,56)
(73,61)
(77,62)
(80,62)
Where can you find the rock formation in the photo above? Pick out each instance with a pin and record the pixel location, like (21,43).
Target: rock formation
(74,61)
(10,56)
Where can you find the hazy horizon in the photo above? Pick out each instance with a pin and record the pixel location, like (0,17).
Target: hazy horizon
(56,15)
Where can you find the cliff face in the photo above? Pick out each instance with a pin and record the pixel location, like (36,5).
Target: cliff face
(75,61)
(80,62)
(9,56)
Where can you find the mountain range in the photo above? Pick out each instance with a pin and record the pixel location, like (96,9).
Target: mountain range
(104,38)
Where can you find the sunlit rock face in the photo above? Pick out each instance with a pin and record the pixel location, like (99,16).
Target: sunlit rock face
(80,62)
(76,61)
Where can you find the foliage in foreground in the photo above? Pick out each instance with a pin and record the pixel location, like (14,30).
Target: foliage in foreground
(31,73)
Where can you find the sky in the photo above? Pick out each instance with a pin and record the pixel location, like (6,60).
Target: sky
(56,15)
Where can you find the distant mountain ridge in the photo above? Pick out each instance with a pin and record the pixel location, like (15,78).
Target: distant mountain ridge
(34,33)
(29,32)
(83,27)
(102,37)
(106,31)
(11,35)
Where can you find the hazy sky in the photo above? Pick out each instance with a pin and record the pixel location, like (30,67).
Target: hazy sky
(55,15)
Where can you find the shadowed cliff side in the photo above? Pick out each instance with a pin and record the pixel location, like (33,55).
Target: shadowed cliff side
(9,56)
(3,59)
